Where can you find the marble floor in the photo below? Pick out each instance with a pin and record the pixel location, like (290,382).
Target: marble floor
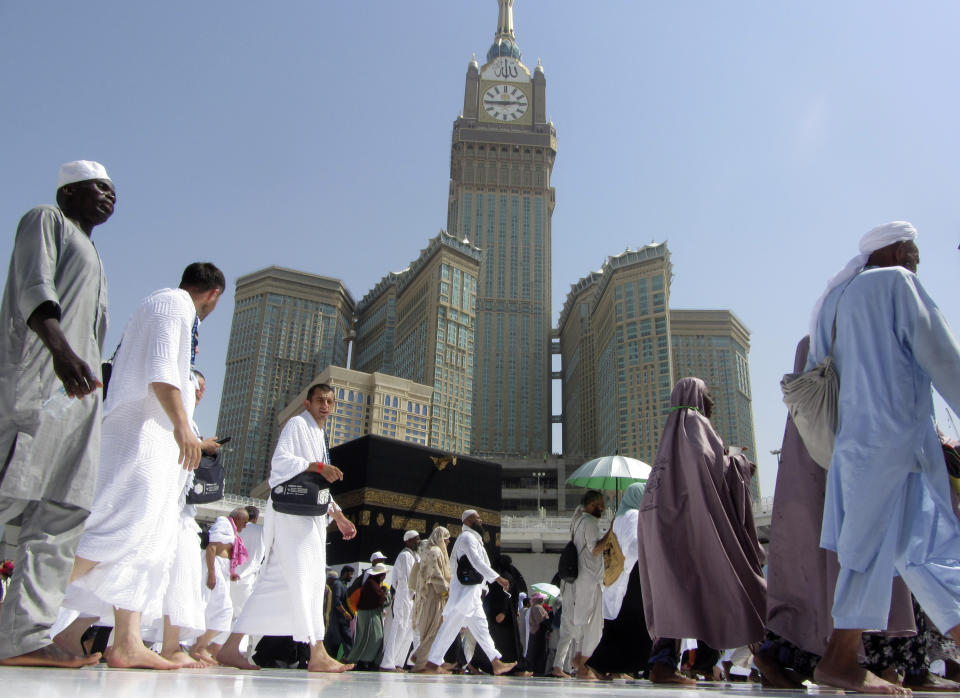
(100,682)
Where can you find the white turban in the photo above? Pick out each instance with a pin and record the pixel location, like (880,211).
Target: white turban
(873,240)
(410,534)
(81,171)
(467,514)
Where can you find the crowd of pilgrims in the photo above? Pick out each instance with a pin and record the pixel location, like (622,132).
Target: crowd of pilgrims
(859,587)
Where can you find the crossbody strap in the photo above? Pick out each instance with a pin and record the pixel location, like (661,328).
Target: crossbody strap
(833,327)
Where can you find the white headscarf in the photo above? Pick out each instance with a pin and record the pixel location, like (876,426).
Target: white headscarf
(873,240)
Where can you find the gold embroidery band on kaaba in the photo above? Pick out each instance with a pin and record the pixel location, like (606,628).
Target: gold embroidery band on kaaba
(370,496)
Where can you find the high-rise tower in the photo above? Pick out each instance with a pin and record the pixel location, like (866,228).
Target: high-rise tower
(615,342)
(501,200)
(419,324)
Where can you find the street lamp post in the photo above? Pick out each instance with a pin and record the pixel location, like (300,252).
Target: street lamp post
(538,476)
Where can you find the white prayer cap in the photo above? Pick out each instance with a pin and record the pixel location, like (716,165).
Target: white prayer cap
(377,556)
(378,568)
(81,171)
(410,534)
(873,240)
(467,514)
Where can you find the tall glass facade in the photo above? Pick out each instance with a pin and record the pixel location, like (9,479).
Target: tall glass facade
(287,327)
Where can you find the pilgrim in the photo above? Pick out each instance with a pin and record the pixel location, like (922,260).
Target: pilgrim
(399,639)
(625,645)
(287,597)
(464,608)
(368,643)
(124,556)
(246,572)
(698,499)
(432,589)
(587,607)
(225,552)
(54,319)
(887,509)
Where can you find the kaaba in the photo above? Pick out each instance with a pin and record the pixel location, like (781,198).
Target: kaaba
(392,486)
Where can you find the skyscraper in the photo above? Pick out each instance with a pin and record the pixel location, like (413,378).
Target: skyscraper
(615,347)
(419,324)
(501,200)
(287,327)
(714,345)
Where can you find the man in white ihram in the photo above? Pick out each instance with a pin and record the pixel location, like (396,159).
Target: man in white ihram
(399,638)
(464,607)
(125,554)
(287,597)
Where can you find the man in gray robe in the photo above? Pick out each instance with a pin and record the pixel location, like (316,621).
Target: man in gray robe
(54,321)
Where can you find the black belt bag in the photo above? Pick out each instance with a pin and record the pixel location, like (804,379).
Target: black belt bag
(208,480)
(306,494)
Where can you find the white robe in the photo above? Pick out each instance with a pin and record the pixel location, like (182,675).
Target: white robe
(399,636)
(287,597)
(218,602)
(240,590)
(625,529)
(183,600)
(464,607)
(134,515)
(588,597)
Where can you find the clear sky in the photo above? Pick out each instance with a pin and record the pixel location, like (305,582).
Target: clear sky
(760,139)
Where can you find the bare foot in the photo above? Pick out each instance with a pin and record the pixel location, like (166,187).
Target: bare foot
(231,657)
(183,660)
(501,667)
(855,678)
(773,672)
(664,673)
(560,673)
(51,656)
(328,665)
(432,668)
(585,673)
(932,682)
(203,655)
(136,657)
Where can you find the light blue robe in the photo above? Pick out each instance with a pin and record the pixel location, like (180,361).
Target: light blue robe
(887,509)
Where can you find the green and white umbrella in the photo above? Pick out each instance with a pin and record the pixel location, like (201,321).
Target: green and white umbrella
(615,473)
(549,590)
(609,473)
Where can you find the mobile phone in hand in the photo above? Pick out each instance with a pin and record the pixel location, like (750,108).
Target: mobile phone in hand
(224,440)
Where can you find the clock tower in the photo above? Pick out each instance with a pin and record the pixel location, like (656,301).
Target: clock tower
(501,200)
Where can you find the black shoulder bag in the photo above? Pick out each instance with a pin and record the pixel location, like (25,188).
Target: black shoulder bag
(467,574)
(306,494)
(208,480)
(569,565)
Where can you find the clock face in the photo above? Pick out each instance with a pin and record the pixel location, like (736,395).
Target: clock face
(505,102)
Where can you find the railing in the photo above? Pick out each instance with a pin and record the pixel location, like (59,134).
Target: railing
(240,500)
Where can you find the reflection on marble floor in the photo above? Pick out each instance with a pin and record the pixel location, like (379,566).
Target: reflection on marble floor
(100,682)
